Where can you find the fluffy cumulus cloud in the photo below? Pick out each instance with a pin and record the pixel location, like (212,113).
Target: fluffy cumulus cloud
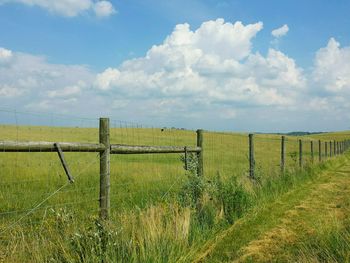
(212,65)
(70,8)
(280,32)
(332,68)
(5,54)
(32,82)
(104,9)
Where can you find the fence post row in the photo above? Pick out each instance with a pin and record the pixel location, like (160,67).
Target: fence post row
(251,156)
(104,169)
(283,154)
(300,153)
(200,170)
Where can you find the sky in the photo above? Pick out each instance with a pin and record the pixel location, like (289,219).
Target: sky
(265,66)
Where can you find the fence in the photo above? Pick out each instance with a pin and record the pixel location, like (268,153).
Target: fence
(105,149)
(225,154)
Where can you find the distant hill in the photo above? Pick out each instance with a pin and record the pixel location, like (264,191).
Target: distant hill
(294,133)
(300,133)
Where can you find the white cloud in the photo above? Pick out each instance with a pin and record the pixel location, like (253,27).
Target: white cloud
(105,79)
(280,32)
(65,92)
(70,8)
(9,92)
(213,64)
(332,68)
(5,55)
(31,80)
(104,9)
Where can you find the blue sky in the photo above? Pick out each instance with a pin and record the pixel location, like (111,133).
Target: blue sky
(60,55)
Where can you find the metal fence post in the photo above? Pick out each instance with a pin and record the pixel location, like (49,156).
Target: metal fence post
(104,169)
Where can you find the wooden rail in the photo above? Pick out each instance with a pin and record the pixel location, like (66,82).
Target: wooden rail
(130,149)
(19,146)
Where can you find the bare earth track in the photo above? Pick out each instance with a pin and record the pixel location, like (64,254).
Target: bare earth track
(281,231)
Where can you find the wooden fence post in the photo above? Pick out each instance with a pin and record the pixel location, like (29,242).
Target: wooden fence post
(319,151)
(312,151)
(251,157)
(300,153)
(325,150)
(337,148)
(341,147)
(104,169)
(283,154)
(334,148)
(200,170)
(330,149)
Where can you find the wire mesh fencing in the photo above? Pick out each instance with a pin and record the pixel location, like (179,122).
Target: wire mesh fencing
(142,179)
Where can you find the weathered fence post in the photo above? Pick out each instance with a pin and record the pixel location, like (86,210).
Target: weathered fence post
(283,154)
(330,149)
(334,148)
(337,148)
(300,153)
(200,170)
(251,157)
(186,162)
(104,169)
(319,151)
(341,147)
(325,150)
(312,151)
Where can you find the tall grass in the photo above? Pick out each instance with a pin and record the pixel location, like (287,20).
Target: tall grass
(157,233)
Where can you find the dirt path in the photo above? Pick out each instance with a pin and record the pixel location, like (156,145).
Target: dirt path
(283,230)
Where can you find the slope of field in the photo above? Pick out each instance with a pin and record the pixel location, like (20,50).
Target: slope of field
(309,224)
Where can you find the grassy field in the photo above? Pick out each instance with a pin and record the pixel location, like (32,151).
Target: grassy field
(154,215)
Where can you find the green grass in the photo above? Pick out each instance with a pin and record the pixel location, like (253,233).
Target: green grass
(149,222)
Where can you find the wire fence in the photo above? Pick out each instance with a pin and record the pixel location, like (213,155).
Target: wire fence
(33,184)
